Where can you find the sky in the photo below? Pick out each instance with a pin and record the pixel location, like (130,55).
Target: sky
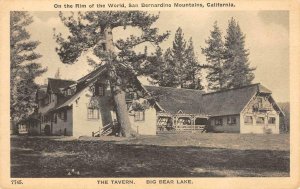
(267,38)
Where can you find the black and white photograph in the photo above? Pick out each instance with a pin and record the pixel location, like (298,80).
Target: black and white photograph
(149,94)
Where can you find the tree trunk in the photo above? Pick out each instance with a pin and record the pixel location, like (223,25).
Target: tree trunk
(122,113)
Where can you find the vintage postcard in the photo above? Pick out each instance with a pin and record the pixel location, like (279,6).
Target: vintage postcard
(150,94)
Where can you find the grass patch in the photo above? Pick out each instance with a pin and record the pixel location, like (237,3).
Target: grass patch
(176,155)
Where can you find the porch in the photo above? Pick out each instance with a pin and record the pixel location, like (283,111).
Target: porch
(181,122)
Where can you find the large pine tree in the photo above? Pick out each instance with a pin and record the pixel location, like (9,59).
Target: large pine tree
(177,67)
(23,66)
(236,65)
(214,53)
(192,68)
(179,56)
(160,69)
(87,32)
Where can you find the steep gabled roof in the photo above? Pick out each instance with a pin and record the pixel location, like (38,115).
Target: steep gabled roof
(86,81)
(173,100)
(55,84)
(231,101)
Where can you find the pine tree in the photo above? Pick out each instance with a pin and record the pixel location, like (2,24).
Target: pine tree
(192,69)
(178,67)
(179,56)
(170,72)
(214,53)
(160,69)
(236,65)
(87,32)
(24,69)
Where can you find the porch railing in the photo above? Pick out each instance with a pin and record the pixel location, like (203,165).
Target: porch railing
(106,130)
(182,128)
(189,127)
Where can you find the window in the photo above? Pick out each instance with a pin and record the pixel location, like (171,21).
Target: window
(248,120)
(139,116)
(93,113)
(63,115)
(55,118)
(130,96)
(101,91)
(260,120)
(272,120)
(231,120)
(218,121)
(98,90)
(259,101)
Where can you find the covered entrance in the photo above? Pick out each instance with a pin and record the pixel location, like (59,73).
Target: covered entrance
(181,122)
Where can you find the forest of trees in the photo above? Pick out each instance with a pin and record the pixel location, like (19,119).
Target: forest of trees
(227,65)
(177,67)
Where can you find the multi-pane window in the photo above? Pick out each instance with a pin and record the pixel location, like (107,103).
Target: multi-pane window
(101,91)
(139,116)
(98,90)
(231,120)
(248,120)
(218,121)
(272,120)
(260,120)
(93,113)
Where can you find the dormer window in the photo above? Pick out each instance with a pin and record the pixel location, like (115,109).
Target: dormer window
(100,91)
(69,91)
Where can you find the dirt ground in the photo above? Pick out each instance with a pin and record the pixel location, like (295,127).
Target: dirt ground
(166,155)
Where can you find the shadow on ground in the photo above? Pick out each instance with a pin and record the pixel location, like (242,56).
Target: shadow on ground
(44,157)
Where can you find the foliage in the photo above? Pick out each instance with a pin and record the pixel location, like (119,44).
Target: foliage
(228,64)
(178,66)
(23,69)
(285,120)
(87,32)
(214,57)
(236,64)
(93,31)
(192,69)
